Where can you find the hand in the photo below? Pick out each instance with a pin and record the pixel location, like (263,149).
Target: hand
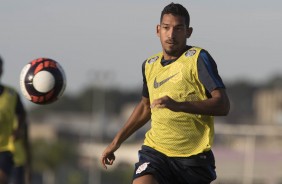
(108,156)
(166,102)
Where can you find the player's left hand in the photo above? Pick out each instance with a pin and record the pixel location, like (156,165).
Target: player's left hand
(165,102)
(108,156)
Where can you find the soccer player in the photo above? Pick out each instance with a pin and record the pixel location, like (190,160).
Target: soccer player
(11,110)
(182,92)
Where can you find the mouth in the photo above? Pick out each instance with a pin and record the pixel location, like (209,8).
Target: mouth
(171,42)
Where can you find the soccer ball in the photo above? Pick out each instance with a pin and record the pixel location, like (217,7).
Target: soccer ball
(42,81)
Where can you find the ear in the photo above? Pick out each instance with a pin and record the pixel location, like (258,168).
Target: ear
(189,32)
(158,30)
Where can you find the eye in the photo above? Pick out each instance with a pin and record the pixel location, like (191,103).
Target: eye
(179,28)
(165,27)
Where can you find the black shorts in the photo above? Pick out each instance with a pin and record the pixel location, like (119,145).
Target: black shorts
(197,169)
(6,162)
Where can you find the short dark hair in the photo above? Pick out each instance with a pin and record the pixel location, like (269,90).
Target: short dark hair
(176,9)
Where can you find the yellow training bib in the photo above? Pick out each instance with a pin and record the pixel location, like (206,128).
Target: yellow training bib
(177,134)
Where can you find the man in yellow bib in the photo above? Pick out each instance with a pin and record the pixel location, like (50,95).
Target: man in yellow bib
(11,110)
(182,92)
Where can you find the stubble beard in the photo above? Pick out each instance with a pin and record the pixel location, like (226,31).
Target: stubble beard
(171,52)
(175,52)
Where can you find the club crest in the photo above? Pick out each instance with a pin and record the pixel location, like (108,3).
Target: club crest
(142,167)
(190,53)
(154,59)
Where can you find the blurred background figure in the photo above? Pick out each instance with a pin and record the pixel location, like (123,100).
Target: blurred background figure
(13,135)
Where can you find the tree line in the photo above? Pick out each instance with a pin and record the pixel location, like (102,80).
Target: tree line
(93,99)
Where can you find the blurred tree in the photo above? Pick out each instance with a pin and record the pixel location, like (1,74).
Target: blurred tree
(274,82)
(75,177)
(89,100)
(120,175)
(241,98)
(48,156)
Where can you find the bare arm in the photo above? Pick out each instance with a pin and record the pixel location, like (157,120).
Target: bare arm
(139,117)
(217,105)
(20,112)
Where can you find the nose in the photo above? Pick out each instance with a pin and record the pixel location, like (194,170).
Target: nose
(171,33)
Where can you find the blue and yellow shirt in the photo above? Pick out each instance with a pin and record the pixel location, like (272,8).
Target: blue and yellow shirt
(179,134)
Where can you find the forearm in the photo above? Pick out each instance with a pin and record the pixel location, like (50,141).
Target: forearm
(217,105)
(140,116)
(213,107)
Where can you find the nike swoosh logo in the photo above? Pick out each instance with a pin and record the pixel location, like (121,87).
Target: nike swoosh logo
(158,84)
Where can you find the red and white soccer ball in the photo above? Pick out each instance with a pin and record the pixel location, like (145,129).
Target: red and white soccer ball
(42,81)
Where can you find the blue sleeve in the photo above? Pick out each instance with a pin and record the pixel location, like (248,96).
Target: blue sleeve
(145,91)
(207,71)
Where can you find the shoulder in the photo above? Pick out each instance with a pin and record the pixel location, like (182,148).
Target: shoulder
(193,51)
(10,90)
(153,58)
(204,53)
(206,59)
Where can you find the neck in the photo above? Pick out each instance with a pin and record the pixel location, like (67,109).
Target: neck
(168,56)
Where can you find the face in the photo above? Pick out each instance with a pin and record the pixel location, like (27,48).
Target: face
(173,34)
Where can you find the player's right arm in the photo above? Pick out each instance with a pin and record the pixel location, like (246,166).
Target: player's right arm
(139,117)
(21,116)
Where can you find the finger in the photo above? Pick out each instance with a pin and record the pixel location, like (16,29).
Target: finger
(107,159)
(161,106)
(155,103)
(111,162)
(103,161)
(110,159)
(158,105)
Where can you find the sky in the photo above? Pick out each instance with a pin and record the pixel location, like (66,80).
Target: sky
(106,42)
